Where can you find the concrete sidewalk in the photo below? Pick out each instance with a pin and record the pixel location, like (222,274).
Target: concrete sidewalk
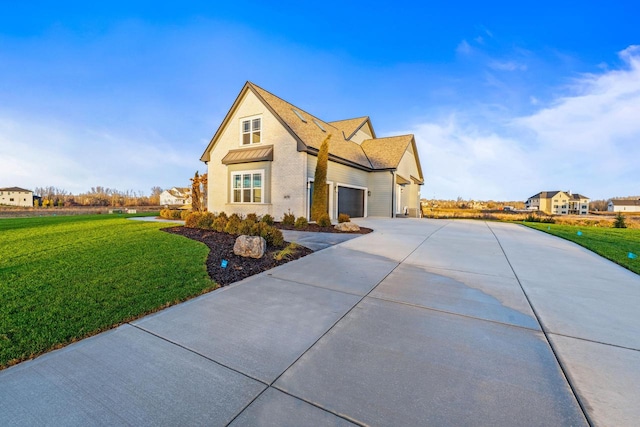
(423,322)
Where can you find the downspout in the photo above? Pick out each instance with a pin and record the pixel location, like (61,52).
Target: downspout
(393,193)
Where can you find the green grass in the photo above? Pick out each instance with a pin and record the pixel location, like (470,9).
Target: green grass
(66,278)
(611,243)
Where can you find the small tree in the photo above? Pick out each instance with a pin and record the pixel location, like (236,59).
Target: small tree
(196,195)
(319,200)
(619,222)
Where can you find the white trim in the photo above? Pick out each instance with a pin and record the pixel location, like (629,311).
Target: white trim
(262,188)
(332,186)
(250,119)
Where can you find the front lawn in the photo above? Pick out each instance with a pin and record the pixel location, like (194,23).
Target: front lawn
(66,278)
(611,243)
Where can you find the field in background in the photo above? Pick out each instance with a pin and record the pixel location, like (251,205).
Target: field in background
(22,212)
(604,220)
(611,243)
(64,278)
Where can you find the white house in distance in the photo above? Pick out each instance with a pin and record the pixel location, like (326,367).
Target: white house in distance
(263,158)
(176,196)
(558,203)
(16,196)
(618,205)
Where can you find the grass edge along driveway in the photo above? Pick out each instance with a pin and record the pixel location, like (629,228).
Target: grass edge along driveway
(66,278)
(611,243)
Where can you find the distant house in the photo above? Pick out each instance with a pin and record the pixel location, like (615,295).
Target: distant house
(558,203)
(16,196)
(618,205)
(176,196)
(263,157)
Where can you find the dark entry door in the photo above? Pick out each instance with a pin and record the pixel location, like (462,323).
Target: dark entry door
(351,202)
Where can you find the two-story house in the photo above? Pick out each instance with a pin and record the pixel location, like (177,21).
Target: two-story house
(175,196)
(558,203)
(16,196)
(263,158)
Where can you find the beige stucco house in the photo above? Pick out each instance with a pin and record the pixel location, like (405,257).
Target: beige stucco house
(16,196)
(619,205)
(176,196)
(558,203)
(263,157)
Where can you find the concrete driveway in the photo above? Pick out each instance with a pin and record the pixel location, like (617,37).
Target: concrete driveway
(423,322)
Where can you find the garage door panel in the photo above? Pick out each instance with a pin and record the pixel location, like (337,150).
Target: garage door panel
(351,202)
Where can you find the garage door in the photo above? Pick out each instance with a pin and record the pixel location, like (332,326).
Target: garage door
(351,202)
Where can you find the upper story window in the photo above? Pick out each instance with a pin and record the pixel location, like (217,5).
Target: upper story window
(251,130)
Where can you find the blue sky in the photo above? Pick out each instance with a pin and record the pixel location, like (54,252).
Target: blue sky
(505,99)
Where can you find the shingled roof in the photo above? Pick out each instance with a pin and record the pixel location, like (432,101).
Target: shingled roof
(309,131)
(16,189)
(625,202)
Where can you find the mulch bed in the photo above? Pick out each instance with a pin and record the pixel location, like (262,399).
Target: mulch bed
(221,247)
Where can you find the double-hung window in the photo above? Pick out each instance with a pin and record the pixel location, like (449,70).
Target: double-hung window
(247,187)
(251,130)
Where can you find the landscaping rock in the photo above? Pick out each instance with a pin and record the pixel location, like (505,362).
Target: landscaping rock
(347,226)
(250,246)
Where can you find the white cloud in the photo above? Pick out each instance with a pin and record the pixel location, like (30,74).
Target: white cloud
(463,48)
(507,66)
(39,154)
(588,141)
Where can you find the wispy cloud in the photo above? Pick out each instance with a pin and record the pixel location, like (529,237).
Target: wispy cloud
(585,141)
(507,66)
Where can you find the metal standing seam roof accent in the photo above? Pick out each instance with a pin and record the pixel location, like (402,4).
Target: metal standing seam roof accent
(249,155)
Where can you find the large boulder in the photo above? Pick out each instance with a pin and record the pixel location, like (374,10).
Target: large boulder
(347,226)
(250,246)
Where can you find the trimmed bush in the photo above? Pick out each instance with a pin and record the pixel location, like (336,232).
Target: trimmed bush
(274,237)
(220,223)
(301,222)
(232,225)
(206,220)
(252,216)
(288,219)
(184,214)
(324,220)
(192,219)
(235,216)
(170,214)
(344,218)
(267,219)
(245,227)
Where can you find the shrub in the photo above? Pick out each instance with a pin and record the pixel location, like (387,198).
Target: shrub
(620,221)
(253,217)
(301,222)
(267,219)
(343,218)
(184,214)
(206,220)
(245,226)
(231,225)
(319,198)
(288,219)
(286,252)
(192,219)
(324,220)
(220,223)
(235,216)
(171,214)
(274,237)
(258,229)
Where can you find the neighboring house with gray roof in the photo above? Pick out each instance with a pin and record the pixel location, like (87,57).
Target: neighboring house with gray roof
(176,196)
(263,158)
(621,205)
(558,203)
(16,196)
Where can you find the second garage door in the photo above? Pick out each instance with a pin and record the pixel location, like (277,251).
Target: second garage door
(351,202)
